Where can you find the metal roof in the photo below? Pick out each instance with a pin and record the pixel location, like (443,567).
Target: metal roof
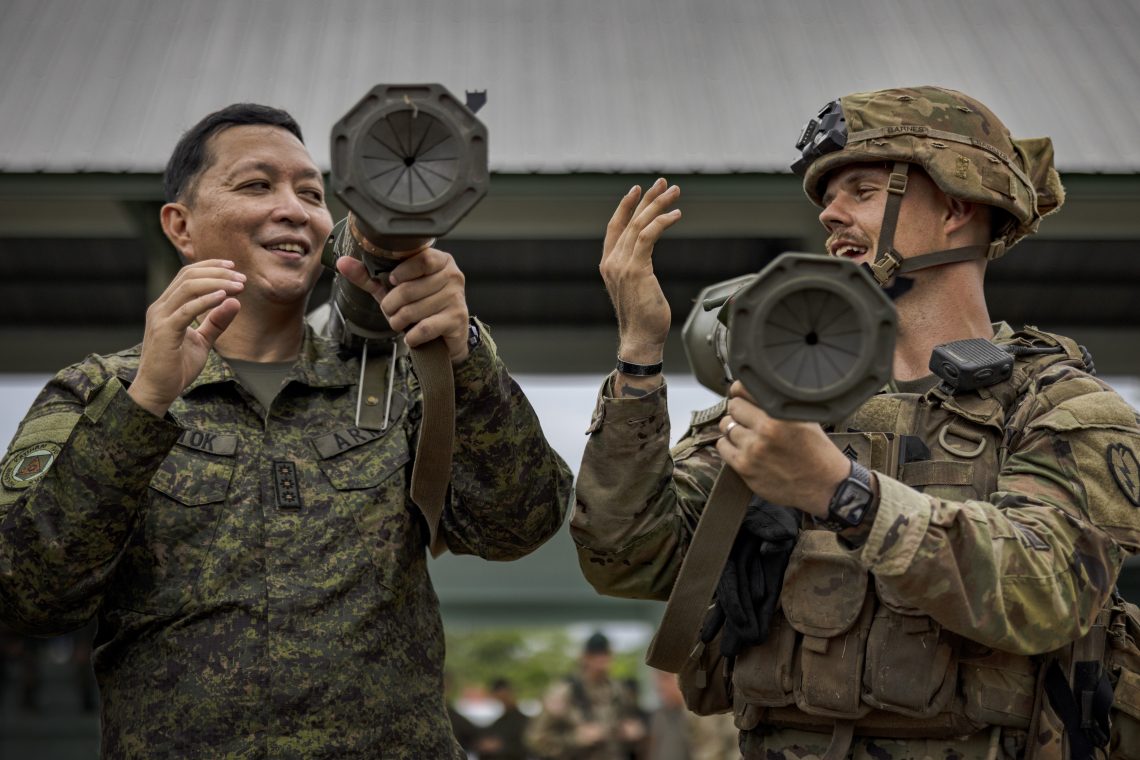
(574,85)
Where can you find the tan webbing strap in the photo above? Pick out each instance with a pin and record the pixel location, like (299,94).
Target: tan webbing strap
(951,256)
(431,472)
(700,572)
(1090,647)
(888,262)
(886,259)
(840,740)
(1033,742)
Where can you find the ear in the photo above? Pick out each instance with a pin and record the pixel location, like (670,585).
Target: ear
(960,214)
(175,219)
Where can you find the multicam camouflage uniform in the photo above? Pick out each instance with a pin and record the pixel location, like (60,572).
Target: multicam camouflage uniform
(1013,550)
(1002,542)
(259,576)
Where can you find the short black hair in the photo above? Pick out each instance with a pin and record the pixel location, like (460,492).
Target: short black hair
(190,157)
(500,683)
(597,644)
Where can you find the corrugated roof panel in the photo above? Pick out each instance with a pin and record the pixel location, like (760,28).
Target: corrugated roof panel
(582,85)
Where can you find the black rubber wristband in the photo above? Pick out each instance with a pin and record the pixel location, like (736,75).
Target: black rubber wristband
(638,370)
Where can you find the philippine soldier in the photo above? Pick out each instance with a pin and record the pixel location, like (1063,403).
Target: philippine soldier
(587,716)
(929,607)
(254,561)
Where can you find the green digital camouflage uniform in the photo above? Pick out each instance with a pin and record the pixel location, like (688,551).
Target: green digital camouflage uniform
(969,571)
(260,577)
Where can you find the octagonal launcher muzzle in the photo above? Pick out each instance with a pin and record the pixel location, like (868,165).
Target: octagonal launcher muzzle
(811,338)
(409,161)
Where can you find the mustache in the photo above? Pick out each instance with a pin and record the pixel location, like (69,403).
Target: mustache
(848,236)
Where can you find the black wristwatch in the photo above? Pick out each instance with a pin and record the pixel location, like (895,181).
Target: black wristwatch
(851,501)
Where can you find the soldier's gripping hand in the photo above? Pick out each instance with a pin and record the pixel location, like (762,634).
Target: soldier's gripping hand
(174,351)
(424,298)
(790,463)
(627,268)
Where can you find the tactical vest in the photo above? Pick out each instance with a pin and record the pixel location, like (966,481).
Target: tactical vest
(866,658)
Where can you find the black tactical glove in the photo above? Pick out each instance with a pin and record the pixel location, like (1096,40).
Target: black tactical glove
(749,587)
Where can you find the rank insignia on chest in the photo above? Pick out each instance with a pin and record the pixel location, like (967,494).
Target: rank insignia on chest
(29,465)
(285,485)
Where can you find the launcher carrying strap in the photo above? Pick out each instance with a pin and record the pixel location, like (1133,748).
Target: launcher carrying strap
(700,571)
(431,473)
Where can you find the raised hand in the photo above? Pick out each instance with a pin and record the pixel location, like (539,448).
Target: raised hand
(174,351)
(627,268)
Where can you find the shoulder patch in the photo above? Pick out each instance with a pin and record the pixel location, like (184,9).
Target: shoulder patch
(26,466)
(1125,471)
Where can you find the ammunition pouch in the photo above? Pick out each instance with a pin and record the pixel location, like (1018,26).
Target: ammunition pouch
(706,678)
(1122,662)
(998,689)
(840,659)
(915,644)
(833,635)
(839,651)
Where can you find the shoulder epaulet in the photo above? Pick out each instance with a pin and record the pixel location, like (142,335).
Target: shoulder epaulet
(1034,352)
(1063,346)
(1043,350)
(704,416)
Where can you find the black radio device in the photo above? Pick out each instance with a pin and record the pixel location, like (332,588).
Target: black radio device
(967,365)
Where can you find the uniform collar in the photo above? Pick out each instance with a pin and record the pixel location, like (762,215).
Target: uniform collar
(319,365)
(1003,333)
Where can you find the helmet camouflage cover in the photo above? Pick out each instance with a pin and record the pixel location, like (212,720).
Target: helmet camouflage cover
(959,142)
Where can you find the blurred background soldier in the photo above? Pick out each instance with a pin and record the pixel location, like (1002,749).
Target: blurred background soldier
(465,731)
(588,716)
(970,538)
(504,738)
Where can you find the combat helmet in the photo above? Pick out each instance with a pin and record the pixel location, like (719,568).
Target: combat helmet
(961,144)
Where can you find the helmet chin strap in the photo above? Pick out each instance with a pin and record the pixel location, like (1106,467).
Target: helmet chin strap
(899,286)
(889,263)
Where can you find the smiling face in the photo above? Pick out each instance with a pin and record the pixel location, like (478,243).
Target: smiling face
(260,203)
(854,200)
